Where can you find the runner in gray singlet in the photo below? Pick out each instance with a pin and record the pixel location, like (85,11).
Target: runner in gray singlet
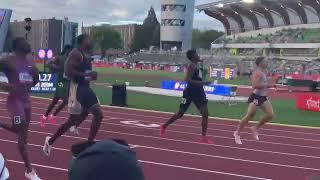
(258,99)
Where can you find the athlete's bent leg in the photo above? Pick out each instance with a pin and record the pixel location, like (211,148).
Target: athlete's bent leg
(22,123)
(73,119)
(185,103)
(205,114)
(266,107)
(54,101)
(60,107)
(175,117)
(252,109)
(96,122)
(49,141)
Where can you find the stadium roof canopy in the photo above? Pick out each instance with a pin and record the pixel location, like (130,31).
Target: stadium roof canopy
(246,15)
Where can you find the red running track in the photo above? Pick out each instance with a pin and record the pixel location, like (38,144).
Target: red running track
(284,153)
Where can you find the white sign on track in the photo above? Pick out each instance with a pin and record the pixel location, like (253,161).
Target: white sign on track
(139,124)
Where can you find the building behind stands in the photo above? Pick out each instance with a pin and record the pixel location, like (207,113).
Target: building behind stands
(127,33)
(46,33)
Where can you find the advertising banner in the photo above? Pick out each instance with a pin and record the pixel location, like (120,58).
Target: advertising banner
(211,89)
(309,102)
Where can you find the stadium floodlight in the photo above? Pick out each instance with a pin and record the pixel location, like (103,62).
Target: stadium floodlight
(248,1)
(220,5)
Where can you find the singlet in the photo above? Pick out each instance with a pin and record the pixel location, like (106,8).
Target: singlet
(192,89)
(62,60)
(84,67)
(19,72)
(263,91)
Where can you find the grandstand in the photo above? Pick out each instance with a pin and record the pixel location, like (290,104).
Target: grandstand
(280,29)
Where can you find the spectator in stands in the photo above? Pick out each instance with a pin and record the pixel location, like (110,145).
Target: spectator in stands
(4,173)
(112,160)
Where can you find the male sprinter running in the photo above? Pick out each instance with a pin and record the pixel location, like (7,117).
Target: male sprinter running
(194,92)
(82,99)
(258,99)
(22,74)
(61,87)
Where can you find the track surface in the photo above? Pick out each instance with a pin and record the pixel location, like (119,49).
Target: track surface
(284,153)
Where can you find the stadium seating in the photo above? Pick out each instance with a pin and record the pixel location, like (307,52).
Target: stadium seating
(284,36)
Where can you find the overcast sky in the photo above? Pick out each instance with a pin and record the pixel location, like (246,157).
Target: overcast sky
(95,11)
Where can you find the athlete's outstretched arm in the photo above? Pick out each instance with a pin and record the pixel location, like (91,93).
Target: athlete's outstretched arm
(188,77)
(4,67)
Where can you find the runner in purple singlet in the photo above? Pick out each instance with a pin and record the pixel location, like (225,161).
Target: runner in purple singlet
(22,74)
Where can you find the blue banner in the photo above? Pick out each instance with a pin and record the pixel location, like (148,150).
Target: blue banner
(47,83)
(210,89)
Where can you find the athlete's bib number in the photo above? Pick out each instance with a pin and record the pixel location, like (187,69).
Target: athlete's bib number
(25,77)
(17,120)
(137,123)
(183,101)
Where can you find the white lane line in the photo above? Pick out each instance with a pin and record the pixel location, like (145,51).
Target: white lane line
(189,115)
(228,158)
(184,152)
(38,165)
(231,147)
(203,170)
(222,130)
(223,137)
(142,161)
(189,142)
(212,122)
(286,137)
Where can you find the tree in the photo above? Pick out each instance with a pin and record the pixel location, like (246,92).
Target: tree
(105,38)
(148,34)
(138,40)
(203,39)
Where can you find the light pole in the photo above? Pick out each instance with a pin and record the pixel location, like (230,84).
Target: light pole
(27,27)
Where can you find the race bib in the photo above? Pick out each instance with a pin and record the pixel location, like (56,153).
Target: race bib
(17,120)
(183,101)
(25,77)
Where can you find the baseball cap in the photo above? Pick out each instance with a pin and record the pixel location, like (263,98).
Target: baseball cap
(104,160)
(4,173)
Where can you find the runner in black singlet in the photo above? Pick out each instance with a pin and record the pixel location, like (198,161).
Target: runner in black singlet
(82,99)
(194,92)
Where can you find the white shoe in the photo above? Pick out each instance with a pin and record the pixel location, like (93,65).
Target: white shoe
(75,130)
(255,133)
(32,175)
(237,138)
(47,147)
